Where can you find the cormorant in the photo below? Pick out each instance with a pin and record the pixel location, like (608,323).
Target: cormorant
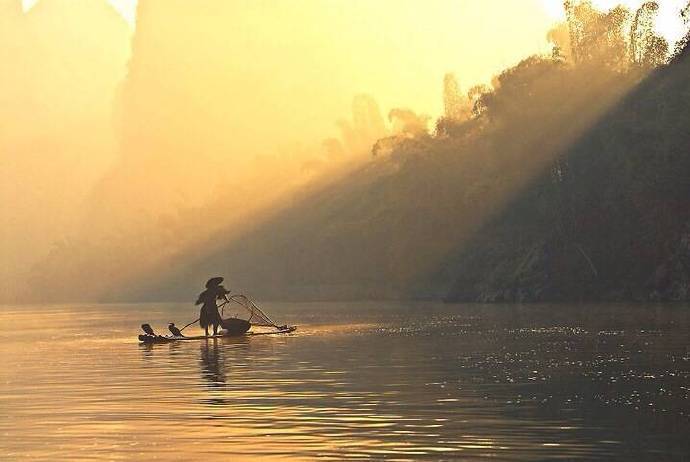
(174,330)
(147,329)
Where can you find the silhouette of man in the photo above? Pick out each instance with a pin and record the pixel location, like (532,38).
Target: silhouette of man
(209,315)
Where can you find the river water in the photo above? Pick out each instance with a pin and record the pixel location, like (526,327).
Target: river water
(395,381)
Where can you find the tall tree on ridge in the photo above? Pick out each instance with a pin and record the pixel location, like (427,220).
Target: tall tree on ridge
(646,48)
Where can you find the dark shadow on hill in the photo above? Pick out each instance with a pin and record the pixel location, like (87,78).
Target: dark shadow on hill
(614,226)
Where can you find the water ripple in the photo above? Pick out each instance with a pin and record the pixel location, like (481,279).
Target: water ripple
(357,381)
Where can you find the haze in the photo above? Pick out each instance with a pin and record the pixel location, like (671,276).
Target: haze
(217,97)
(123,147)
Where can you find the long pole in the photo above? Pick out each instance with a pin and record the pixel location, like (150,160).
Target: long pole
(195,321)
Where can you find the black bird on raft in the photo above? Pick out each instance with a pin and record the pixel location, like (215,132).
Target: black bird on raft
(147,328)
(174,330)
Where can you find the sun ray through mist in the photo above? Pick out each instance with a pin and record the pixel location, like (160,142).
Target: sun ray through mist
(223,115)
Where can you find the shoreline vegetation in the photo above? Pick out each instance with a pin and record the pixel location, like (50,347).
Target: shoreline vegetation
(567,179)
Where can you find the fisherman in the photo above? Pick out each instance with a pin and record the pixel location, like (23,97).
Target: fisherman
(209,315)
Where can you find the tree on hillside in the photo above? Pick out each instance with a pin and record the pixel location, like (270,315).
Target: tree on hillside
(682,44)
(410,130)
(408,123)
(597,37)
(646,48)
(456,106)
(366,127)
(559,38)
(475,95)
(459,108)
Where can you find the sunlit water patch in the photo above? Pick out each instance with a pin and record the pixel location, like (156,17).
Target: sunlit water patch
(356,381)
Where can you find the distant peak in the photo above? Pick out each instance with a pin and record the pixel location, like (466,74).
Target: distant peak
(126,9)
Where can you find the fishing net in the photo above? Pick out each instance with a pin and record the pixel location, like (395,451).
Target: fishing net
(256,316)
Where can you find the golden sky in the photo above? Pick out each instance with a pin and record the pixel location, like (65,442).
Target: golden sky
(417,40)
(668,22)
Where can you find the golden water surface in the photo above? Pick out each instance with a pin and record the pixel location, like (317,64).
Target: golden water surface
(356,381)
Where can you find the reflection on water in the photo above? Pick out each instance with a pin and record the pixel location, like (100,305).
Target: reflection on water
(367,380)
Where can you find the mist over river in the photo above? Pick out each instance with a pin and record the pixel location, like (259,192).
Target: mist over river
(374,380)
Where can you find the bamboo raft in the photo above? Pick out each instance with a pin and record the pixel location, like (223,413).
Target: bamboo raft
(232,327)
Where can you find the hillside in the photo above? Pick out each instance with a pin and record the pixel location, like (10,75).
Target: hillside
(617,228)
(569,180)
(426,221)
